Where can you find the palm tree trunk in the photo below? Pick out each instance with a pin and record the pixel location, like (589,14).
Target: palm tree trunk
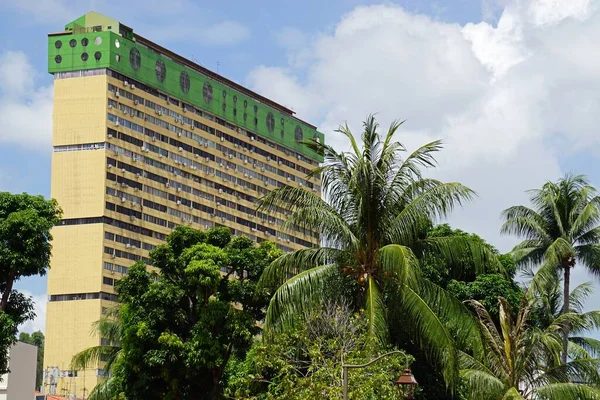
(565,309)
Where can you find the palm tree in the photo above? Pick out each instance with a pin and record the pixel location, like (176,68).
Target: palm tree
(372,224)
(523,362)
(549,306)
(107,327)
(563,227)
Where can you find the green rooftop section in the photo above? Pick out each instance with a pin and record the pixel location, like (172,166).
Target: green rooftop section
(96,41)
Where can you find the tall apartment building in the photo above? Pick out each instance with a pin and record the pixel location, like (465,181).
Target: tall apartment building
(145,140)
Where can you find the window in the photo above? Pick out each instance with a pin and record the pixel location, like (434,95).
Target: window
(184,82)
(207,92)
(84,56)
(84,41)
(160,70)
(135,59)
(270,122)
(58,44)
(58,59)
(72,42)
(298,135)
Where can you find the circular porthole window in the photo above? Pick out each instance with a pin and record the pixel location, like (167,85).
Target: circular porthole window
(117,58)
(97,55)
(98,41)
(135,59)
(281,133)
(84,56)
(298,134)
(282,121)
(255,121)
(160,70)
(58,44)
(223,107)
(255,109)
(245,103)
(224,94)
(207,92)
(117,43)
(245,116)
(234,99)
(270,122)
(72,42)
(234,112)
(184,82)
(58,59)
(84,41)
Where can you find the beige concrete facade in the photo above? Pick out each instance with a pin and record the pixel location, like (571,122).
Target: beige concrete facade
(127,168)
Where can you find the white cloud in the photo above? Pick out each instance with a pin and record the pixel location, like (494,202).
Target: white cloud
(25,110)
(39,322)
(508,99)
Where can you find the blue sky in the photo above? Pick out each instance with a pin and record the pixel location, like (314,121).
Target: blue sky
(510,85)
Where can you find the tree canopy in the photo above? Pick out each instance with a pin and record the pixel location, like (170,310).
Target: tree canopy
(181,327)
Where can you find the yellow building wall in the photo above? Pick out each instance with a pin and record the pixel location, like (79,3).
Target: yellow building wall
(78,182)
(79,110)
(68,326)
(76,262)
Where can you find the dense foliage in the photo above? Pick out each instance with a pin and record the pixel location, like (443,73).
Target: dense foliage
(306,362)
(375,211)
(25,223)
(181,327)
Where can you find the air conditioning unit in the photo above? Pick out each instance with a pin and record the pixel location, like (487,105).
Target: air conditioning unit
(136,102)
(123,199)
(251,151)
(179,134)
(220,190)
(266,183)
(123,184)
(289,179)
(117,94)
(314,189)
(166,184)
(117,123)
(110,106)
(252,138)
(137,175)
(205,144)
(181,121)
(179,189)
(196,155)
(124,111)
(160,155)
(280,162)
(154,138)
(206,226)
(262,169)
(223,219)
(135,189)
(132,86)
(125,83)
(128,245)
(253,229)
(159,112)
(184,110)
(109,166)
(221,165)
(192,127)
(236,145)
(132,217)
(301,184)
(178,202)
(207,159)
(113,255)
(180,149)
(222,139)
(245,161)
(245,175)
(231,156)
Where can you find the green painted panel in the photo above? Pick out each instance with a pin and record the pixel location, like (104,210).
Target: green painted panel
(225,103)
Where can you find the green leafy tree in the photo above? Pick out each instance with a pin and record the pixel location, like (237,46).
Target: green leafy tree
(25,223)
(521,361)
(561,229)
(36,339)
(181,327)
(375,210)
(306,362)
(109,328)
